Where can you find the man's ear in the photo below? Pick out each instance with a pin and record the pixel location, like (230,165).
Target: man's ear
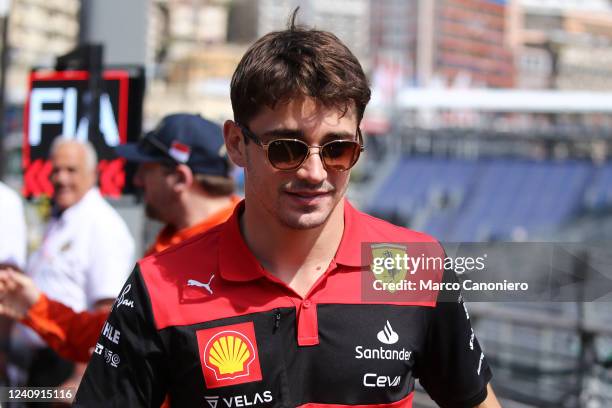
(183,177)
(234,143)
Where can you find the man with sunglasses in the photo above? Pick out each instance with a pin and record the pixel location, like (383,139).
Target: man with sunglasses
(266,309)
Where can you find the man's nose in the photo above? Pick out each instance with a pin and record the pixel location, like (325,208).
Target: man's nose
(312,169)
(58,176)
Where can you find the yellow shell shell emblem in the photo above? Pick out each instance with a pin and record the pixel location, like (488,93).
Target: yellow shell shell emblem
(229,352)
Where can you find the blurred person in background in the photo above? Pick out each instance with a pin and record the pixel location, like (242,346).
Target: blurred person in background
(13,253)
(12,228)
(83,259)
(184,176)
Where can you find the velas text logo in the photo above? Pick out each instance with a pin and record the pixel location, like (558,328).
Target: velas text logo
(239,401)
(229,355)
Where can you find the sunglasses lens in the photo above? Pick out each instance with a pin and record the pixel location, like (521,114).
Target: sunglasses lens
(287,154)
(340,155)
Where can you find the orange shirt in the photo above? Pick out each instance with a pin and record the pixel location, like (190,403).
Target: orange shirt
(73,335)
(168,237)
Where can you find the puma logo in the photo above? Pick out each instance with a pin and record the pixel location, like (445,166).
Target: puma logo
(193,282)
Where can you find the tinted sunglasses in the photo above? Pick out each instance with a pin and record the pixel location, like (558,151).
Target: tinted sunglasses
(290,154)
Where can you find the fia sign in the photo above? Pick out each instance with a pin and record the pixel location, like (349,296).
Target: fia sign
(58,104)
(41,115)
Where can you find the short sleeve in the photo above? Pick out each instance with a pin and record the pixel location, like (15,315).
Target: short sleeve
(128,365)
(452,369)
(12,228)
(72,335)
(112,257)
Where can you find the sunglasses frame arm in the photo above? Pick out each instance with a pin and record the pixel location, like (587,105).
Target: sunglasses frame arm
(248,134)
(360,139)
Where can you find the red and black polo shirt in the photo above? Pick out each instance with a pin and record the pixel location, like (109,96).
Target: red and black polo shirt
(206,324)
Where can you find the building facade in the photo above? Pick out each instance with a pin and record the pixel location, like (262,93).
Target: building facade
(348,19)
(562,44)
(443,42)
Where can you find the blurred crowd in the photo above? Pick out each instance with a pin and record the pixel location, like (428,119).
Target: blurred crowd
(53,304)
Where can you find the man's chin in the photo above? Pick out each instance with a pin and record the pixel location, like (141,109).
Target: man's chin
(296,215)
(152,213)
(64,200)
(305,221)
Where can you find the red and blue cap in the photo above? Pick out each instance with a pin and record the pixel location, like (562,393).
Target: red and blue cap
(182,138)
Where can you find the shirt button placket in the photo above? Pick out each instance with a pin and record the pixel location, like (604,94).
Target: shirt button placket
(308,327)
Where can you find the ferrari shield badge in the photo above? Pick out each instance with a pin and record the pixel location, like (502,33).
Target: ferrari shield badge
(385,266)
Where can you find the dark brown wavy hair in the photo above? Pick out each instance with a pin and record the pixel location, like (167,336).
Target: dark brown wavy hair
(295,62)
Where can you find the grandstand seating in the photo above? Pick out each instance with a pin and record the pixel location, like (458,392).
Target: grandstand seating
(491,198)
(599,193)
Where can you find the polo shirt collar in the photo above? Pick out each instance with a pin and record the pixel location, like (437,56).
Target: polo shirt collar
(237,262)
(76,208)
(355,233)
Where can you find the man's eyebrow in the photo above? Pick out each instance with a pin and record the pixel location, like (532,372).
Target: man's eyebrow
(298,134)
(283,133)
(342,135)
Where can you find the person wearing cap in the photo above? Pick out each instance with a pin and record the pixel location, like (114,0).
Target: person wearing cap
(184,175)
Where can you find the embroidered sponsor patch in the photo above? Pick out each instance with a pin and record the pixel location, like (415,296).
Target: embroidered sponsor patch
(229,355)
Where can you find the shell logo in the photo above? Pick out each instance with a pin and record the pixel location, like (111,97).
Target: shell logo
(229,354)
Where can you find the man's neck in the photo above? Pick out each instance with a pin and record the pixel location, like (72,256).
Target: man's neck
(57,212)
(197,208)
(297,257)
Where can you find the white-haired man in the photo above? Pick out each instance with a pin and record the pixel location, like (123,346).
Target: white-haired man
(86,253)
